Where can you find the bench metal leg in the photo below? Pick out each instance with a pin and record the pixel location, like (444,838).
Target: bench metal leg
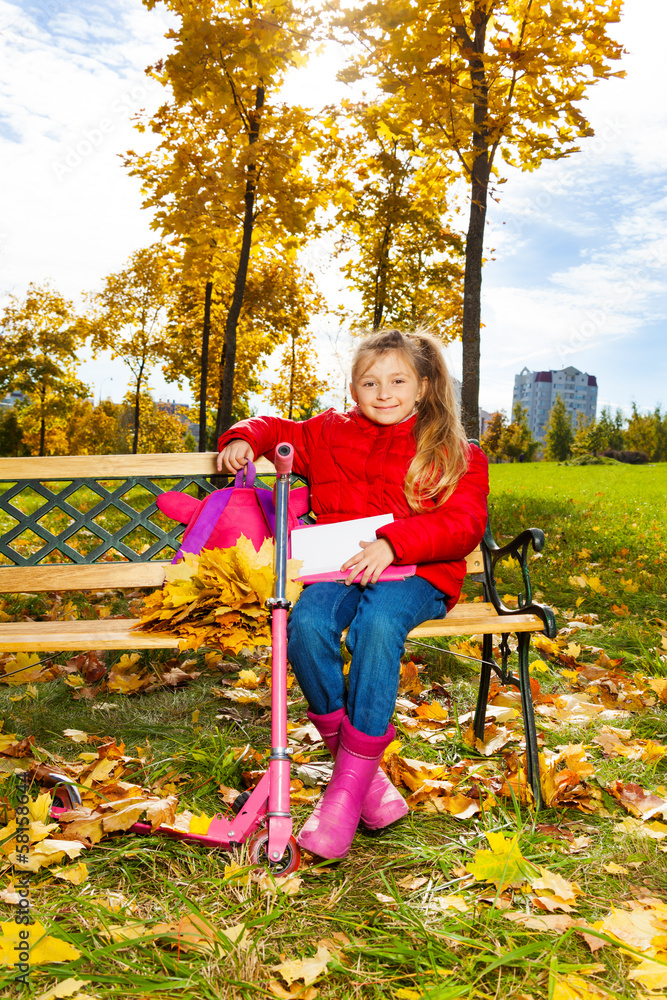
(532,750)
(484,684)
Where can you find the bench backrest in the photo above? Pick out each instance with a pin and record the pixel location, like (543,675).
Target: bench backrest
(90,522)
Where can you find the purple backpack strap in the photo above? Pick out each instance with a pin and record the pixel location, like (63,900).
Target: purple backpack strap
(212,509)
(265,500)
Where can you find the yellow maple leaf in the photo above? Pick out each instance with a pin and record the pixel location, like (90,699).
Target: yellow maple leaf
(78,735)
(161,812)
(554,883)
(503,865)
(43,948)
(47,852)
(40,808)
(308,969)
(76,874)
(200,824)
(24,667)
(573,987)
(651,974)
(66,988)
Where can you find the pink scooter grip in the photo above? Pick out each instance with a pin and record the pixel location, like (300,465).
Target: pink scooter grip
(283,458)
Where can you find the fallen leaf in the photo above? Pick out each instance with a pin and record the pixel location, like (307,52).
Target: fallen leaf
(449,903)
(78,736)
(651,974)
(308,969)
(573,987)
(43,947)
(413,882)
(557,922)
(503,865)
(76,874)
(565,891)
(65,988)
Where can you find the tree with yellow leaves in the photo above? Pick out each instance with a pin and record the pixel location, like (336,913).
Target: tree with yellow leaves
(390,199)
(229,170)
(298,386)
(474,78)
(131,317)
(40,337)
(278,302)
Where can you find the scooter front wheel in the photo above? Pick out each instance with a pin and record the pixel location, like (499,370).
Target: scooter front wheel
(259,854)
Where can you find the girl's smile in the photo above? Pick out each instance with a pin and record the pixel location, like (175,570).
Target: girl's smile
(389,390)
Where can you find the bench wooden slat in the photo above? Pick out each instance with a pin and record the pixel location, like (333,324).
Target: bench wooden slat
(117,633)
(477,618)
(177,465)
(51,637)
(94,576)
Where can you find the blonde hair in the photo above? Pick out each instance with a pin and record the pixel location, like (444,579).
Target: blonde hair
(442,448)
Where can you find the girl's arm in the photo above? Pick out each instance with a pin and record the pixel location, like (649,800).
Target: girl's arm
(263,434)
(451,531)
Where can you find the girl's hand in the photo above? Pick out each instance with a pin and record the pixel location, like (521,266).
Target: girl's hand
(235,456)
(374,557)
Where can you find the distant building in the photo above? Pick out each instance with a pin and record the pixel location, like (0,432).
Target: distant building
(181,411)
(11,399)
(537,391)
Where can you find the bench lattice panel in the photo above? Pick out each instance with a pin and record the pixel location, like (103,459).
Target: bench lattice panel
(113,498)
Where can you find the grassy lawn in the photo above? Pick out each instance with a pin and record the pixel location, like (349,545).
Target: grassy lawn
(473,895)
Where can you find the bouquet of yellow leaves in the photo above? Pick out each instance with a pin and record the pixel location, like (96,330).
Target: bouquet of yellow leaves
(218,598)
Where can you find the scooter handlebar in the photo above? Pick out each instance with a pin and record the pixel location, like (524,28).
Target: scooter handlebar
(283,458)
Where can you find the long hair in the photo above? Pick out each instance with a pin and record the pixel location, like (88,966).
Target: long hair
(442,448)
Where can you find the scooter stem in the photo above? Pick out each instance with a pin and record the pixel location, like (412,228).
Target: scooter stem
(279,819)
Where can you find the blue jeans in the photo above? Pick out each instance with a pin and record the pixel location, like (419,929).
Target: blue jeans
(379,618)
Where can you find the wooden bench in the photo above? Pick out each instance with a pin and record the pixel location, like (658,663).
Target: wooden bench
(67,537)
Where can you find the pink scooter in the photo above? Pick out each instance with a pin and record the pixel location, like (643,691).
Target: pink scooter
(263,819)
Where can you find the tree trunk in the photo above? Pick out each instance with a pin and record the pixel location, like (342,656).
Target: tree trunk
(226,398)
(479,181)
(380,293)
(291,379)
(204,366)
(137,410)
(42,425)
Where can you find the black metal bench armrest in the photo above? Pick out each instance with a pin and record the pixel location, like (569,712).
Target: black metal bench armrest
(518,549)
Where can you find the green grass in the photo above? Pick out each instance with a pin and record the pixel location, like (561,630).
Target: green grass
(401,944)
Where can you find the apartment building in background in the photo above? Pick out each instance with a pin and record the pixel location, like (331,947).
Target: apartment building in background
(537,391)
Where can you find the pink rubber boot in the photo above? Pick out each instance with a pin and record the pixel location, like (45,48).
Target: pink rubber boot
(383,804)
(330,830)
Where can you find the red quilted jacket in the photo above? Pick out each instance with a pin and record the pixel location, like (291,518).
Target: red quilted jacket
(357,468)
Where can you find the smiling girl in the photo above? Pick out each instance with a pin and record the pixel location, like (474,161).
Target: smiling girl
(401,450)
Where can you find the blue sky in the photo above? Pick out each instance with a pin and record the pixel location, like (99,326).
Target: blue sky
(579,271)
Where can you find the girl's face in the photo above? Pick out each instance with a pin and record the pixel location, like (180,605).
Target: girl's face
(387,391)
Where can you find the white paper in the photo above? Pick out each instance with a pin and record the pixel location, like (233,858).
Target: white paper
(323,548)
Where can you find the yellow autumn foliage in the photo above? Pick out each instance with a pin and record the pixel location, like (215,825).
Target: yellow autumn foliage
(218,598)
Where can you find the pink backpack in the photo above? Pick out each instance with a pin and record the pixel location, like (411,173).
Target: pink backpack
(222,517)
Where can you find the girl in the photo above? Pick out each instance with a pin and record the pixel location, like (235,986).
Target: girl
(402,449)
